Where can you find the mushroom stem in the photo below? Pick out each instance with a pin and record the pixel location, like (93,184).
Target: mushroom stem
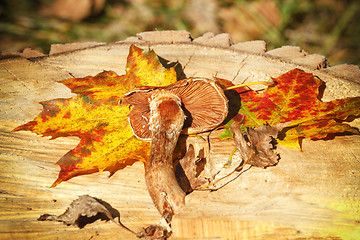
(166,121)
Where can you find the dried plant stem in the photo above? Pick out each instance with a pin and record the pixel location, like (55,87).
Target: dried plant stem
(120,224)
(237,169)
(249,84)
(230,157)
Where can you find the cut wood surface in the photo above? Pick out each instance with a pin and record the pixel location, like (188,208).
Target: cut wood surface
(310,194)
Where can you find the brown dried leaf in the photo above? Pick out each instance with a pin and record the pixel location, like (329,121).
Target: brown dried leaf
(84,210)
(257,149)
(189,169)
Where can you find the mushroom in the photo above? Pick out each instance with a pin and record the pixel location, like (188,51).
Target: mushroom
(159,115)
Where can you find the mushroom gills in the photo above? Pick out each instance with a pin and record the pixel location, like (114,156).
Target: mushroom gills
(202,100)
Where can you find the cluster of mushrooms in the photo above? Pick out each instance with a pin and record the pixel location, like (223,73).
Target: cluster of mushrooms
(160,115)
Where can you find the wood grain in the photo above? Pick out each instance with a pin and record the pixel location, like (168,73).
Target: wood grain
(309,194)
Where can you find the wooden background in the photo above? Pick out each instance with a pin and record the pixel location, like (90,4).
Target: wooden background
(309,194)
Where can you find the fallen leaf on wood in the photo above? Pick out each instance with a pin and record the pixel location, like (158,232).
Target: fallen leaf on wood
(257,149)
(85,210)
(107,142)
(295,98)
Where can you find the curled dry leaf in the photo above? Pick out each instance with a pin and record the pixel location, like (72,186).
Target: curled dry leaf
(257,149)
(191,165)
(84,210)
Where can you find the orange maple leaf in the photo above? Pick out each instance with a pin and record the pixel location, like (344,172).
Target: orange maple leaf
(107,142)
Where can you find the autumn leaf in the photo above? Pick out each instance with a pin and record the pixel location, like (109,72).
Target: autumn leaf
(294,99)
(94,115)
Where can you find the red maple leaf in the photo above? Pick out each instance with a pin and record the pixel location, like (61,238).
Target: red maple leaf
(294,98)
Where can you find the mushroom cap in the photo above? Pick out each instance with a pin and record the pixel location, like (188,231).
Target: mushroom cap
(203,102)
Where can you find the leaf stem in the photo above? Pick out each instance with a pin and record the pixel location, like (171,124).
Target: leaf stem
(227,165)
(251,83)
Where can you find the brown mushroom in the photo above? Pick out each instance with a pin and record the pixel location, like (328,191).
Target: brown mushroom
(160,114)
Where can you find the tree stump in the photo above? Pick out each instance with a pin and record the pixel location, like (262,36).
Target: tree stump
(310,194)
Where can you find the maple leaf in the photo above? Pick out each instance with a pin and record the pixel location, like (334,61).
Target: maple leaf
(94,115)
(294,99)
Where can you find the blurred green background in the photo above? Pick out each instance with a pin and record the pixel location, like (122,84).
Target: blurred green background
(327,27)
